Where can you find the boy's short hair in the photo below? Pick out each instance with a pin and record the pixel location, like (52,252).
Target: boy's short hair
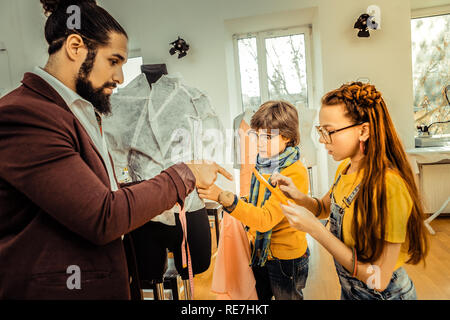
(280,115)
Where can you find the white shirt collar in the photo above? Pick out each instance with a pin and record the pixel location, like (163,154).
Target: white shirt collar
(69,96)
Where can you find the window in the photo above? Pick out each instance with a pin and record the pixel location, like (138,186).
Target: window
(431,71)
(274,65)
(131,70)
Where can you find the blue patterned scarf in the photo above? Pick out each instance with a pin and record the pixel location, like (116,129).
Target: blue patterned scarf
(290,155)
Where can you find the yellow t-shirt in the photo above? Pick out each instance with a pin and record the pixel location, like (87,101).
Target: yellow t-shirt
(286,242)
(398,204)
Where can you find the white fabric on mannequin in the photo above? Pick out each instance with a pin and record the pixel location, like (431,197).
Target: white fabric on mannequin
(307,146)
(244,116)
(248,114)
(151,129)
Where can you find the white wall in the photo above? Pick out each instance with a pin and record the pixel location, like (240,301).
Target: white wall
(22,31)
(207,25)
(384,58)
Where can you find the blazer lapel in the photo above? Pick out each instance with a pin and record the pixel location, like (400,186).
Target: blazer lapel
(42,87)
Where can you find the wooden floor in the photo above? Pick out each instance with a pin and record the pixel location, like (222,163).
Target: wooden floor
(432,281)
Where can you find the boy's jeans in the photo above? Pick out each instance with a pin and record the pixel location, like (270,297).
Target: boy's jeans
(284,279)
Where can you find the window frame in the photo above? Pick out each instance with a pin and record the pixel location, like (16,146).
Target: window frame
(421,14)
(261,36)
(135,56)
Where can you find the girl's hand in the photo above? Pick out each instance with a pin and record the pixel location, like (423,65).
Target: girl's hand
(301,218)
(288,187)
(211,193)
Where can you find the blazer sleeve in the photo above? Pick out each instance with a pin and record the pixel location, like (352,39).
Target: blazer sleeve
(38,157)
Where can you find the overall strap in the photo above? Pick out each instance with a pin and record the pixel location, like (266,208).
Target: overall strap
(348,200)
(334,185)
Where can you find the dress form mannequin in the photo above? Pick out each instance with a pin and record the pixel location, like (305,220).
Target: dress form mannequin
(248,114)
(153,72)
(307,146)
(152,240)
(246,153)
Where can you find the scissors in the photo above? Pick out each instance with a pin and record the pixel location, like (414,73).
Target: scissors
(276,192)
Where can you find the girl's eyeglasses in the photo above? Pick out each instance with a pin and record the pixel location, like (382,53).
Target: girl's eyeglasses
(326,135)
(263,137)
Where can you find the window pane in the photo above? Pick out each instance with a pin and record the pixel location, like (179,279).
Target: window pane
(431,65)
(248,63)
(131,70)
(286,69)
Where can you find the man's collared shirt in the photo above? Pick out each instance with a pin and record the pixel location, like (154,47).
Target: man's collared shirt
(85,113)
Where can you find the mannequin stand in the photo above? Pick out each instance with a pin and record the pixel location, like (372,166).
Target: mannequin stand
(159,291)
(171,282)
(187,290)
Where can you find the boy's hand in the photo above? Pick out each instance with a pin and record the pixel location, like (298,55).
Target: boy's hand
(211,193)
(288,187)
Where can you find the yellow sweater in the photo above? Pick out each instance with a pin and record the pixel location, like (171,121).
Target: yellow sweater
(286,242)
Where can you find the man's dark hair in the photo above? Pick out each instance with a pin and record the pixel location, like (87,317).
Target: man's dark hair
(95,28)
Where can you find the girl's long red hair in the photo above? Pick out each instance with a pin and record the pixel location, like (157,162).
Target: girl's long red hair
(383,151)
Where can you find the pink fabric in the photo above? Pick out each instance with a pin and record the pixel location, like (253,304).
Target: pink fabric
(233,277)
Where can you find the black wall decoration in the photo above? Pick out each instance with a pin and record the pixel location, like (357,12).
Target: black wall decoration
(363,23)
(179,46)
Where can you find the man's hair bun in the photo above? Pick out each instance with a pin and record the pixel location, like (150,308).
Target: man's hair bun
(97,23)
(50,6)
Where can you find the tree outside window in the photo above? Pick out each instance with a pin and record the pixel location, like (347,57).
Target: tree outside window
(431,71)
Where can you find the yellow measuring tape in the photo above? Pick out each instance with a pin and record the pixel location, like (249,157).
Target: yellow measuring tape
(276,192)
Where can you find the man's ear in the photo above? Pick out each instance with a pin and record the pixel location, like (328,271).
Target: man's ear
(364,132)
(75,48)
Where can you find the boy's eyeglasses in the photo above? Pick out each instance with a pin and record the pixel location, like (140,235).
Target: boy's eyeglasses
(326,135)
(264,137)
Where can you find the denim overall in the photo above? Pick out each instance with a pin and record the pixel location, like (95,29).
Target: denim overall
(400,287)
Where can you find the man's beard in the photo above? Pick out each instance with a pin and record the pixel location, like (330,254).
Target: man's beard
(85,89)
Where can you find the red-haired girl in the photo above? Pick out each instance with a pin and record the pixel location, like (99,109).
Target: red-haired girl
(375,214)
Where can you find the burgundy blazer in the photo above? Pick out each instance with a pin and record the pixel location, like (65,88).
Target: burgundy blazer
(56,206)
